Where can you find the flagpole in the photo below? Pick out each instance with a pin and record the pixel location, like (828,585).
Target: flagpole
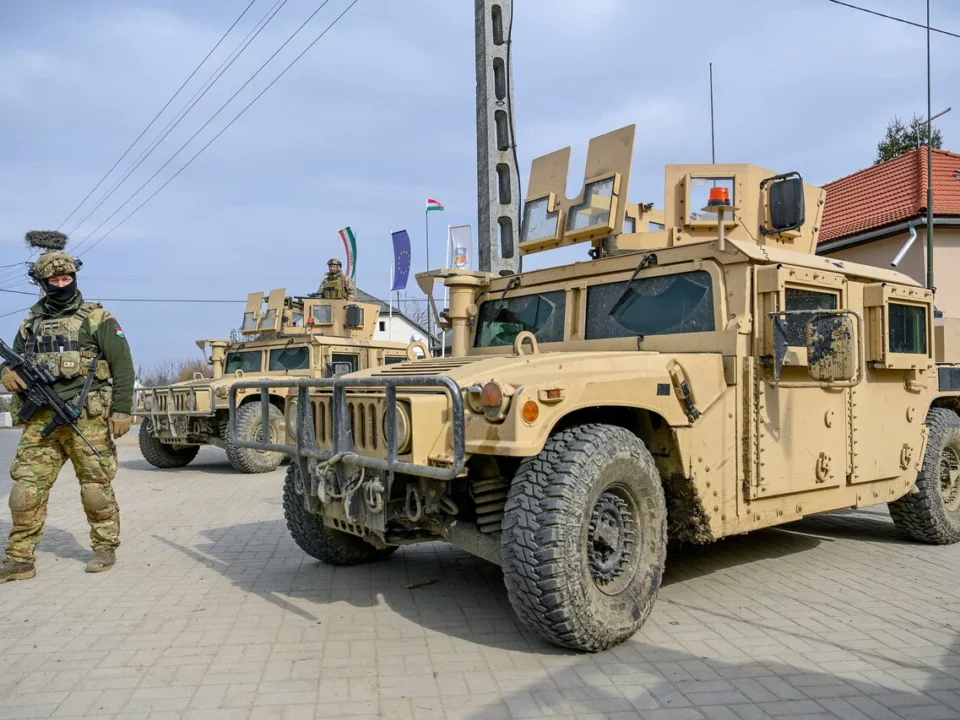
(390,305)
(446,297)
(426,233)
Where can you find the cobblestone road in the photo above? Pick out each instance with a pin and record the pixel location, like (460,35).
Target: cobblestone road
(213,612)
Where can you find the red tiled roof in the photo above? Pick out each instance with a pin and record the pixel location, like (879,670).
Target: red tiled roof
(890,192)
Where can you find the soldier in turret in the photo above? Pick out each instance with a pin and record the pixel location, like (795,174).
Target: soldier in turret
(336,285)
(76,340)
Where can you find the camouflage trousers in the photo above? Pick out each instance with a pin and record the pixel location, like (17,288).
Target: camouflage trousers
(35,468)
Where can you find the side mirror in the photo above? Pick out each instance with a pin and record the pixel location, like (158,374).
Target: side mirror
(785,201)
(831,349)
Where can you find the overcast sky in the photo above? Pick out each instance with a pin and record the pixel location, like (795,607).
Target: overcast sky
(379,115)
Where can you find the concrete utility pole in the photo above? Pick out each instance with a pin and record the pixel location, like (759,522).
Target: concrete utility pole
(929,165)
(498,185)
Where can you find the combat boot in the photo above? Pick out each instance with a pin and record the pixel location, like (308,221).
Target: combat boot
(102,560)
(15,570)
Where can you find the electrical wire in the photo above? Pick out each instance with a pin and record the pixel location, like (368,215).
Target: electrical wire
(16,312)
(224,129)
(184,111)
(892,17)
(150,124)
(202,128)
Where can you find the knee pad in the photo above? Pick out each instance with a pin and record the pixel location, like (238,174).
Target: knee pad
(95,499)
(24,498)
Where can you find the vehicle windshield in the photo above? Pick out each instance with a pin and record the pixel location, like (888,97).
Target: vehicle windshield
(500,321)
(669,304)
(290,358)
(248,360)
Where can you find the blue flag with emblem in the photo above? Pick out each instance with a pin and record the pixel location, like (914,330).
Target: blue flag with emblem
(401,260)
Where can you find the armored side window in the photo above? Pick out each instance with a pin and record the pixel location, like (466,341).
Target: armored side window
(669,304)
(348,358)
(799,299)
(908,329)
(394,359)
(500,321)
(290,358)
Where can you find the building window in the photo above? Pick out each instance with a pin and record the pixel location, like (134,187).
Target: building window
(383,326)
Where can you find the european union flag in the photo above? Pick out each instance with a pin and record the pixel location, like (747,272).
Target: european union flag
(401,260)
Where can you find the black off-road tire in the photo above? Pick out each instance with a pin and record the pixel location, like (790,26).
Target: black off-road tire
(161,455)
(930,512)
(553,556)
(249,421)
(319,541)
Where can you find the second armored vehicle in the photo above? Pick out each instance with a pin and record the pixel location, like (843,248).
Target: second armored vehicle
(288,338)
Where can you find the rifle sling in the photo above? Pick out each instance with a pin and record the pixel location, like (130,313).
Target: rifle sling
(88,382)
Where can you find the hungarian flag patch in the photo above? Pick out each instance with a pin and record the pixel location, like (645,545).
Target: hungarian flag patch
(120,333)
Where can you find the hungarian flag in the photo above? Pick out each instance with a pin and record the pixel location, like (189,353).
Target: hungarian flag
(350,245)
(434,204)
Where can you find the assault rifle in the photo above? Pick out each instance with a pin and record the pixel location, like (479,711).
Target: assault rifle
(40,394)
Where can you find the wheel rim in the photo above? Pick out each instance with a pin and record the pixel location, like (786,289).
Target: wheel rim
(950,477)
(274,437)
(612,540)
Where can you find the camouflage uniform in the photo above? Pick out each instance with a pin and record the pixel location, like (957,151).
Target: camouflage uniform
(72,338)
(336,285)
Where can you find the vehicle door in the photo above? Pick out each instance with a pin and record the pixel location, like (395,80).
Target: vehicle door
(800,432)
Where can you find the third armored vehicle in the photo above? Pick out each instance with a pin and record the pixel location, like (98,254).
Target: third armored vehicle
(285,338)
(704,375)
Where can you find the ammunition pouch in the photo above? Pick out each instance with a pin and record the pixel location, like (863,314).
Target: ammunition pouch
(100,403)
(70,365)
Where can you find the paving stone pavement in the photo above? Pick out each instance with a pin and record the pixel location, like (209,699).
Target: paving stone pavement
(213,612)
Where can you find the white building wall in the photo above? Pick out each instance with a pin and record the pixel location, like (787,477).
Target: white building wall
(399,329)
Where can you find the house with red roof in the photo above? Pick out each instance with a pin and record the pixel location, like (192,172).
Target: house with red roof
(868,215)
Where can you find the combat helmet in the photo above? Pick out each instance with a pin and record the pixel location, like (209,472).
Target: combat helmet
(53,261)
(334,261)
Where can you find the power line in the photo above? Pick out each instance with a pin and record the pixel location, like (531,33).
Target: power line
(16,312)
(150,124)
(891,17)
(237,117)
(145,300)
(192,137)
(184,111)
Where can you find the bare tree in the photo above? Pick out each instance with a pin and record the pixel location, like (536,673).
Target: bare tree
(171,371)
(417,309)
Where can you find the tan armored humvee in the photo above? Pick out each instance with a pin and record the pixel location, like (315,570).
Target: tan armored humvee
(288,338)
(706,374)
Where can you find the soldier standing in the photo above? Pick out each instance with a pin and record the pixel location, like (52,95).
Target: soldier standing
(336,285)
(74,339)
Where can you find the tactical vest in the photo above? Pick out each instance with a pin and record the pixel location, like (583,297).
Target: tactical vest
(333,288)
(55,342)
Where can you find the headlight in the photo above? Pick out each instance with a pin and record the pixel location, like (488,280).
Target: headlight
(291,418)
(494,401)
(403,429)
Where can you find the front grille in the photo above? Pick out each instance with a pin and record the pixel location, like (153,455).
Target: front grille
(365,416)
(364,419)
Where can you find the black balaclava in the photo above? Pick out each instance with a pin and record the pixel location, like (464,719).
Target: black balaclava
(61,296)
